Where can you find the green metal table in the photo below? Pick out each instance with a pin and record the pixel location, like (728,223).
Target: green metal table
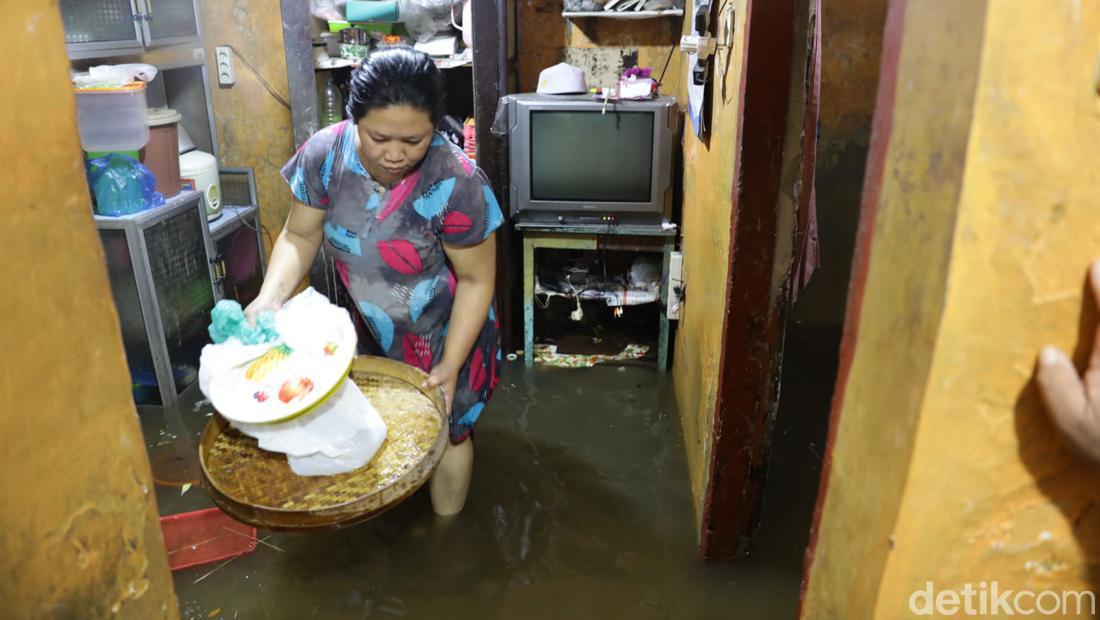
(593,237)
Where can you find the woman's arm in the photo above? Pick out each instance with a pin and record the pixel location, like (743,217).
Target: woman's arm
(475,270)
(291,257)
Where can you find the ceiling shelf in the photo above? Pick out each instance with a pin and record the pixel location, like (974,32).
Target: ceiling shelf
(624,14)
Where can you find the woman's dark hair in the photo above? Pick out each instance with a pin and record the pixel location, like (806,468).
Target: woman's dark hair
(397,76)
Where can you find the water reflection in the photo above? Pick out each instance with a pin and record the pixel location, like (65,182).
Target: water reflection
(580,507)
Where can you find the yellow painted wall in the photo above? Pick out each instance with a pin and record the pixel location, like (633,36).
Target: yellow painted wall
(707,211)
(79,535)
(945,468)
(900,312)
(992,493)
(254,128)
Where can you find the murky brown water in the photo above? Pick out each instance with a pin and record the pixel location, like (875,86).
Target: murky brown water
(579,508)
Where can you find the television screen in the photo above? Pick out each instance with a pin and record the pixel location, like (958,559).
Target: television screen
(592,157)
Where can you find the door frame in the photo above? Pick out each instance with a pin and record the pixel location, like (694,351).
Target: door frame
(756,300)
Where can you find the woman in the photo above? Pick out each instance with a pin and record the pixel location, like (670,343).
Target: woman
(409,220)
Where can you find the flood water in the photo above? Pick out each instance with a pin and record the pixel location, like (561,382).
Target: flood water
(580,507)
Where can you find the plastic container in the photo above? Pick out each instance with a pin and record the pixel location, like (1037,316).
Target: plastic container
(330,103)
(372,11)
(384,28)
(204,536)
(161,154)
(112,119)
(200,170)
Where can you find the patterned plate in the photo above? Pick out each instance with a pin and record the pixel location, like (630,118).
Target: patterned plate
(285,382)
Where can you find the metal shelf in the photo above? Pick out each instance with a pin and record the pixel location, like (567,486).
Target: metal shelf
(449,62)
(624,14)
(230,219)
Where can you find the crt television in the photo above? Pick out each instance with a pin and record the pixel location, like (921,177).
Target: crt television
(577,159)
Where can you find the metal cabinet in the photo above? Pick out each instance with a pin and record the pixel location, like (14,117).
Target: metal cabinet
(236,235)
(163,286)
(170,21)
(168,266)
(238,255)
(117,27)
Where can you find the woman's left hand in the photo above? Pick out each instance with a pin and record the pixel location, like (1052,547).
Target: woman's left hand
(1073,399)
(446,377)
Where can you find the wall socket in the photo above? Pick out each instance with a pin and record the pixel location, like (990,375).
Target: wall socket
(675,285)
(223,55)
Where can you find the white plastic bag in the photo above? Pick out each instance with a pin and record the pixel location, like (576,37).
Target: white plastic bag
(341,432)
(328,10)
(426,18)
(113,76)
(341,435)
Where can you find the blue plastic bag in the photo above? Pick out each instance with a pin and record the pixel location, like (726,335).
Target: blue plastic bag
(122,186)
(228,320)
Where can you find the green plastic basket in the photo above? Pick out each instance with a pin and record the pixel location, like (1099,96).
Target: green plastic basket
(383,28)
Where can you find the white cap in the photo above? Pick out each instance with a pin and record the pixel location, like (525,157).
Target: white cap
(561,79)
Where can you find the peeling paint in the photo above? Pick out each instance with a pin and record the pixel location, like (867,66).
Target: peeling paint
(602,66)
(707,218)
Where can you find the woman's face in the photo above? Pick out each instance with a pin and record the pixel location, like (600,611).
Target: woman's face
(394,139)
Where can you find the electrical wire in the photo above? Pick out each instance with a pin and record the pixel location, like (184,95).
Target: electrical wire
(579,314)
(256,72)
(661,79)
(262,229)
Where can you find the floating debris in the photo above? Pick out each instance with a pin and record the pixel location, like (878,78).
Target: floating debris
(548,354)
(262,542)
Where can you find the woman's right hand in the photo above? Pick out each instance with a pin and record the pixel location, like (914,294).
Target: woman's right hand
(258,305)
(291,257)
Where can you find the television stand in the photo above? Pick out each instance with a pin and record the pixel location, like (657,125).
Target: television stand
(615,237)
(645,223)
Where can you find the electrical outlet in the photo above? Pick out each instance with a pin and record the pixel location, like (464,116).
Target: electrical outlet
(223,56)
(675,297)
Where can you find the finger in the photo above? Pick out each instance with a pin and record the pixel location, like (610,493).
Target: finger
(1061,390)
(1094,282)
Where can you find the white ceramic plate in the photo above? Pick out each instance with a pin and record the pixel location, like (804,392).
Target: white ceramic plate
(285,382)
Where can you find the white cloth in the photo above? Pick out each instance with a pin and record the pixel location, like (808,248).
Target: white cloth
(341,435)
